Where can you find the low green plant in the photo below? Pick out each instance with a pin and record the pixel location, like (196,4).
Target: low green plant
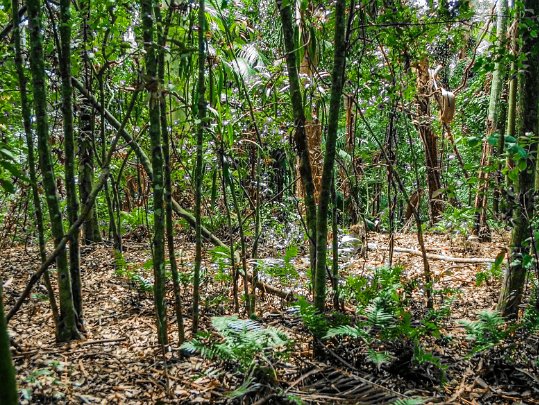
(315,322)
(245,346)
(492,273)
(385,321)
(487,331)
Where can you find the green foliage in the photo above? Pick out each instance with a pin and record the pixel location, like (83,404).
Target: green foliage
(43,378)
(315,322)
(457,220)
(132,273)
(385,322)
(286,270)
(409,401)
(492,273)
(384,280)
(487,331)
(240,343)
(8,168)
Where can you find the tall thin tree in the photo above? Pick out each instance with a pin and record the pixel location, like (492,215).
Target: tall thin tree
(153,87)
(67,322)
(337,82)
(201,106)
(69,146)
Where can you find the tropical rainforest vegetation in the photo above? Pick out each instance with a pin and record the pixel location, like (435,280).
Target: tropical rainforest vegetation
(289,201)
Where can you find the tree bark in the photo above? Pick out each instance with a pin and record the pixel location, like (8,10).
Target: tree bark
(527,117)
(90,228)
(481,228)
(67,322)
(27,123)
(69,146)
(430,142)
(201,105)
(153,86)
(143,159)
(339,62)
(300,138)
(8,384)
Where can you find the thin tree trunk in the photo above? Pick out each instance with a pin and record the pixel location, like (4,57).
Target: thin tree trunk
(300,137)
(162,38)
(143,158)
(153,87)
(428,137)
(339,61)
(27,123)
(90,229)
(67,322)
(528,114)
(60,246)
(8,383)
(481,228)
(201,104)
(69,145)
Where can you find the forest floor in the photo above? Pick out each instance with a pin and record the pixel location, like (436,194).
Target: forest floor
(119,361)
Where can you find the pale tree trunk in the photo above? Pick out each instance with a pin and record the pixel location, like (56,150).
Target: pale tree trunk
(430,141)
(481,228)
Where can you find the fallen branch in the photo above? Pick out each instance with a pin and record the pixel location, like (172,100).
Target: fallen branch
(438,257)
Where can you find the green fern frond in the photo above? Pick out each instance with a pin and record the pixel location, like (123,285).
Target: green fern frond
(346,330)
(379,358)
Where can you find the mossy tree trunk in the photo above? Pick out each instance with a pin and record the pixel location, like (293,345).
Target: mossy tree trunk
(201,110)
(161,39)
(90,228)
(300,137)
(27,123)
(154,91)
(67,322)
(69,146)
(339,61)
(528,128)
(8,384)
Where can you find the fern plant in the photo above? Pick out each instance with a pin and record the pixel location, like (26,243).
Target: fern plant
(486,332)
(244,343)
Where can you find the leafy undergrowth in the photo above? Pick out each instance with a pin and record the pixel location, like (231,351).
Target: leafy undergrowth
(385,347)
